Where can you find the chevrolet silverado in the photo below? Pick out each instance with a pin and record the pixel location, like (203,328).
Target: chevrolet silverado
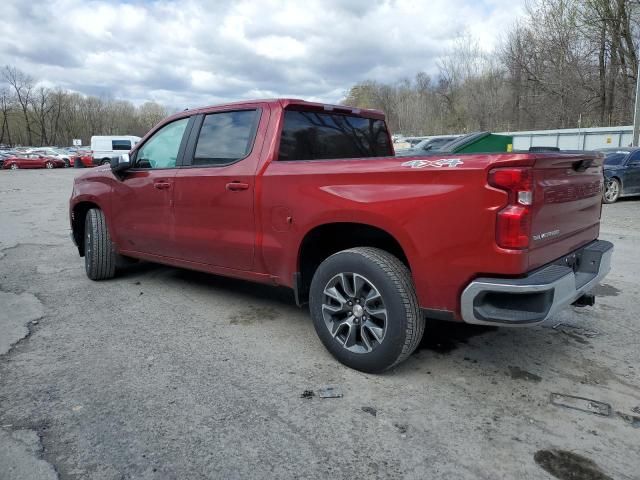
(311,196)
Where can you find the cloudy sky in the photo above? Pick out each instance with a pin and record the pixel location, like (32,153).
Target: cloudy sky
(195,52)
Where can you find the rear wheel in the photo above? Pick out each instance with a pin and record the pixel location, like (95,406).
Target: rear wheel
(105,161)
(48,165)
(365,310)
(99,256)
(612,190)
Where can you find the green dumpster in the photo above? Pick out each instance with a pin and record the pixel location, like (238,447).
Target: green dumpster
(481,142)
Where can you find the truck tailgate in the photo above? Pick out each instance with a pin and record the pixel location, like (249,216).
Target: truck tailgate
(567,204)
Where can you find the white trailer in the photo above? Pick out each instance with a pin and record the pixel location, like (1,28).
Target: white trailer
(105,147)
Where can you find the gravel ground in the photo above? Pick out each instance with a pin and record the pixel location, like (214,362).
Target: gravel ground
(165,373)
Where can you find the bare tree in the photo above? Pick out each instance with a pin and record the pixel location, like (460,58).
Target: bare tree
(22,84)
(7,105)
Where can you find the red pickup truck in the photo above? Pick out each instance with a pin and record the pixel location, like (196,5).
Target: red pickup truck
(311,196)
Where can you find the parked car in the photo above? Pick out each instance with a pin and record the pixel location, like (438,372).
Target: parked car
(83,156)
(311,196)
(106,147)
(53,152)
(32,160)
(433,144)
(621,173)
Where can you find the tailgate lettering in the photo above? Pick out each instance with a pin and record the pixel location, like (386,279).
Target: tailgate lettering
(569,193)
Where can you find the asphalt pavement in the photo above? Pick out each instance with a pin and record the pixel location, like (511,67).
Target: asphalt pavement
(164,373)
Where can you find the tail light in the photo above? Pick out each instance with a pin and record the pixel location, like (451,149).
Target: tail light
(513,223)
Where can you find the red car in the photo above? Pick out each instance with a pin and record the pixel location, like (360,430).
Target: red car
(311,196)
(85,157)
(32,160)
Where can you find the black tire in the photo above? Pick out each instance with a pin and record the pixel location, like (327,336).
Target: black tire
(48,165)
(105,161)
(612,190)
(99,257)
(404,324)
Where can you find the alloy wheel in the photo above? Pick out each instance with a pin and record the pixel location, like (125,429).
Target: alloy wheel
(612,190)
(354,312)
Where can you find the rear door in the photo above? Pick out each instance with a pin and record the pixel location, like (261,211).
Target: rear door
(32,160)
(214,190)
(567,201)
(143,199)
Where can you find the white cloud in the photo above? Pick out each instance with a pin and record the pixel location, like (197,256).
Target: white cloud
(195,52)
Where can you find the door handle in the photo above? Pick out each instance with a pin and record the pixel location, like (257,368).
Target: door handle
(162,185)
(237,186)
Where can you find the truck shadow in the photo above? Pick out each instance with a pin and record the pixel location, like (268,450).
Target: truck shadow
(443,337)
(232,286)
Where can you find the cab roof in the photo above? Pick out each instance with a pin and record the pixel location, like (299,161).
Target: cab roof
(298,104)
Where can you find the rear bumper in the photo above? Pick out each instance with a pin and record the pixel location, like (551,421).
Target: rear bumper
(539,295)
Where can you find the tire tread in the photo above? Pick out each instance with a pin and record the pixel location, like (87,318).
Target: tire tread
(400,275)
(102,262)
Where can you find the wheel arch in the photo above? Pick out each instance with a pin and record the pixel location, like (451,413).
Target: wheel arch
(619,179)
(326,239)
(78,217)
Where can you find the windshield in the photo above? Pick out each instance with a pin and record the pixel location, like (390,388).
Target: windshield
(615,158)
(432,144)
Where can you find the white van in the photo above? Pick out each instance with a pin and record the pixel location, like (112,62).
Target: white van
(105,147)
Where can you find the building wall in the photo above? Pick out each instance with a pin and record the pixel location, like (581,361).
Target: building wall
(574,138)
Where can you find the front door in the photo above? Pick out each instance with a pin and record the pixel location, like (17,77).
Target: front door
(214,191)
(631,180)
(143,199)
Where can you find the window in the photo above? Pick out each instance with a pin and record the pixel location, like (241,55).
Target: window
(121,145)
(225,137)
(314,136)
(634,157)
(615,158)
(161,150)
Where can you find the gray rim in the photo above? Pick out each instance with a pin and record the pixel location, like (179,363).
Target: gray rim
(49,165)
(611,191)
(354,312)
(14,166)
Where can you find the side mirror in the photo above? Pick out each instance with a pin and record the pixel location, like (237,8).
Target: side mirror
(121,163)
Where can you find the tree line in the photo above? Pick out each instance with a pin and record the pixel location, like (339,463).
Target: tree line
(564,64)
(36,115)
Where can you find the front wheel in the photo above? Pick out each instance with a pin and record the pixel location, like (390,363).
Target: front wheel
(365,310)
(48,165)
(611,190)
(105,161)
(99,257)
(14,166)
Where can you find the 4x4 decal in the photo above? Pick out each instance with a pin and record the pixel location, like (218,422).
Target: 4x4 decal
(443,162)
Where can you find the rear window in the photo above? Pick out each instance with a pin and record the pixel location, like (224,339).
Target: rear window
(121,145)
(318,136)
(226,137)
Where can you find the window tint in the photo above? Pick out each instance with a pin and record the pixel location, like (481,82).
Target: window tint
(161,150)
(615,158)
(635,156)
(225,137)
(121,145)
(313,135)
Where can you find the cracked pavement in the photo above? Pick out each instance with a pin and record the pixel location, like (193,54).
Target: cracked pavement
(163,373)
